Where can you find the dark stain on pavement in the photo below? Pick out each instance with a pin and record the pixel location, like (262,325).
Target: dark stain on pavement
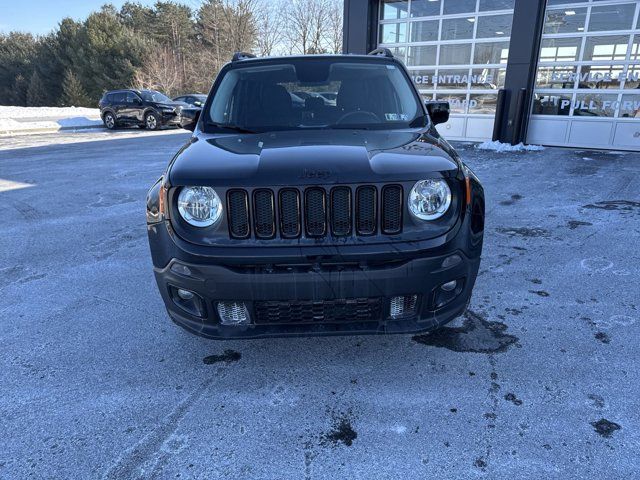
(229,356)
(573,224)
(603,337)
(476,335)
(480,463)
(514,199)
(540,293)
(597,400)
(605,428)
(615,205)
(524,232)
(510,397)
(342,432)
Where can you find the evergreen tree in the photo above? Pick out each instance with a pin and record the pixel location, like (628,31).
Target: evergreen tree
(18,94)
(73,94)
(17,52)
(36,93)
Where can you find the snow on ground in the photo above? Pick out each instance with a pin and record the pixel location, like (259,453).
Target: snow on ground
(506,147)
(27,119)
(47,112)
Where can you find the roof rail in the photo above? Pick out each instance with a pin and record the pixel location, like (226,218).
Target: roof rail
(242,56)
(384,52)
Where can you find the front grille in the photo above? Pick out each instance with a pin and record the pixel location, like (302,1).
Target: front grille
(264,217)
(322,311)
(315,212)
(392,209)
(238,208)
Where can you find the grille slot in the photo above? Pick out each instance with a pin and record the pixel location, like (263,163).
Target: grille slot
(315,212)
(325,311)
(366,207)
(264,222)
(289,213)
(238,212)
(341,211)
(392,209)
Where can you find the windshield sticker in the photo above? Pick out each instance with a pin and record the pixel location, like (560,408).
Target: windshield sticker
(396,117)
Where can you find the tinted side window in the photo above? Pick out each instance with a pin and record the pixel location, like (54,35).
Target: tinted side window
(132,97)
(117,97)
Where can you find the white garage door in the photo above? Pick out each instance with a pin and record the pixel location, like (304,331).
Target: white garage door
(587,91)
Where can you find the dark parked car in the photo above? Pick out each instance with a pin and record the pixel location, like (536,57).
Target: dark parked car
(192,99)
(144,108)
(276,219)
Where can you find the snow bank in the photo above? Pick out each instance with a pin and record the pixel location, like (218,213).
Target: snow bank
(48,112)
(28,119)
(506,147)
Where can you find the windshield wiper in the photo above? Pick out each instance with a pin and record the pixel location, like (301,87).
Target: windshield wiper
(235,128)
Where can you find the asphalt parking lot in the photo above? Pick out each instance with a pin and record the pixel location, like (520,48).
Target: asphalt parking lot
(540,379)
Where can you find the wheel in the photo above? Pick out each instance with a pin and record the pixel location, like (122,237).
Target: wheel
(151,121)
(109,121)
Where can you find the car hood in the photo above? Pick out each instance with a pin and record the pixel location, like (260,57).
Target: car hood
(311,157)
(172,104)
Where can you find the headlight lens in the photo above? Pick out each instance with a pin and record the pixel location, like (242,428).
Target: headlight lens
(429,199)
(200,206)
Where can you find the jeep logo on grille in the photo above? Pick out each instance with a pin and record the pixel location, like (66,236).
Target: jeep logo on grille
(306,173)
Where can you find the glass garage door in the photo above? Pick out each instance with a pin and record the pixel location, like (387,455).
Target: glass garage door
(456,50)
(587,91)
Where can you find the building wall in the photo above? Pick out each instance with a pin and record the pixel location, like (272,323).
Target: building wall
(465,51)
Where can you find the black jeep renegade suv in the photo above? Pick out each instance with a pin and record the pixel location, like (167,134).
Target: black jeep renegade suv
(145,108)
(284,216)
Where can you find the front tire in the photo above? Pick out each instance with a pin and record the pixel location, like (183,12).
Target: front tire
(151,121)
(109,121)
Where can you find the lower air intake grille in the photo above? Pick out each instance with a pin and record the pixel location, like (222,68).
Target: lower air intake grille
(323,311)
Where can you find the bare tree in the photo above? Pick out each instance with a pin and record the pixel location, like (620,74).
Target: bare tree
(335,25)
(309,25)
(161,71)
(270,20)
(225,27)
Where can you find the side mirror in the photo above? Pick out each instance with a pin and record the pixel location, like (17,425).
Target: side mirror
(438,111)
(189,118)
(137,101)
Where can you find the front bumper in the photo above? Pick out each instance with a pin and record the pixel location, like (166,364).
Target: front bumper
(421,276)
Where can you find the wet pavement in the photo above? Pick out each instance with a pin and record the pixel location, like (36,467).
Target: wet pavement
(540,378)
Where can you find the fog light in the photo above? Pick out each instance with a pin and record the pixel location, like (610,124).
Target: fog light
(447,287)
(188,301)
(233,313)
(404,306)
(446,293)
(185,294)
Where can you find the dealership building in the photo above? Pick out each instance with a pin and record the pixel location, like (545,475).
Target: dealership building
(550,72)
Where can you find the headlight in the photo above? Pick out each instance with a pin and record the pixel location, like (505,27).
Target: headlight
(429,199)
(199,206)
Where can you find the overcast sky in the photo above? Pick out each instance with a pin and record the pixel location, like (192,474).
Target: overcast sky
(41,16)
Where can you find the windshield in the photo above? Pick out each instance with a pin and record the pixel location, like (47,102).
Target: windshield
(153,96)
(315,93)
